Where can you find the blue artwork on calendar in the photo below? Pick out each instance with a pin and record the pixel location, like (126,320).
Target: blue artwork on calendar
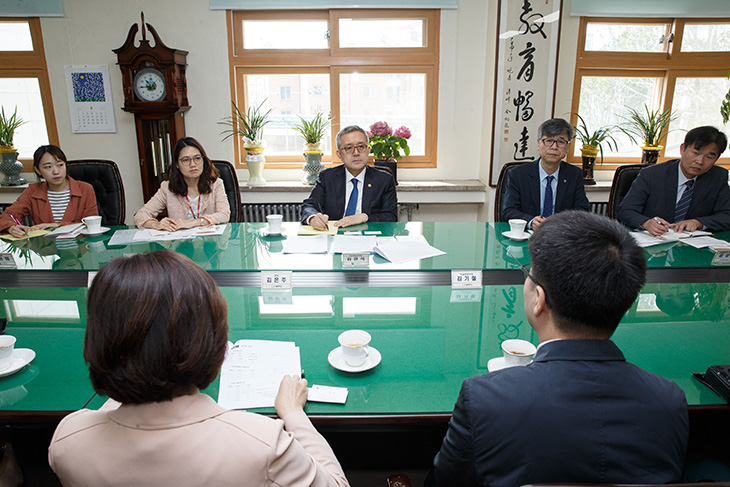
(88,86)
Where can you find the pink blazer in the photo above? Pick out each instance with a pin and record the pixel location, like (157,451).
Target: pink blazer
(214,207)
(190,441)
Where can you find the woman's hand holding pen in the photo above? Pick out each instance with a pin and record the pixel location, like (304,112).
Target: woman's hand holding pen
(292,395)
(19,231)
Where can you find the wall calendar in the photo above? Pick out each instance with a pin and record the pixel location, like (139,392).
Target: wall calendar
(90,99)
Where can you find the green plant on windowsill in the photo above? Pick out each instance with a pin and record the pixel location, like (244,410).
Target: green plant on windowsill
(649,127)
(8,126)
(725,106)
(593,140)
(312,132)
(249,125)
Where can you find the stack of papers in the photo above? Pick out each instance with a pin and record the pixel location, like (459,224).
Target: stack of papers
(67,231)
(252,371)
(698,239)
(405,248)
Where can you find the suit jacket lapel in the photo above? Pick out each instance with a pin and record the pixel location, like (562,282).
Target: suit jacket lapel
(339,191)
(366,193)
(534,188)
(671,195)
(562,184)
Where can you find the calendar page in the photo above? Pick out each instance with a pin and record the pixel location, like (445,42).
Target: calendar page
(90,99)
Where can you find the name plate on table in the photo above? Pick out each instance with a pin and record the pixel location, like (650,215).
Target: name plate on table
(275,280)
(355,260)
(7,261)
(465,279)
(722,257)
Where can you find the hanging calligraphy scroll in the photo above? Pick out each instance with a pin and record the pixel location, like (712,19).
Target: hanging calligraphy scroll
(527,59)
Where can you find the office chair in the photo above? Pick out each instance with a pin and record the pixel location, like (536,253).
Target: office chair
(501,188)
(106,180)
(233,191)
(622,180)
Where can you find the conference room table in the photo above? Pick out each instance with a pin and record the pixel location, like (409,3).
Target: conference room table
(430,336)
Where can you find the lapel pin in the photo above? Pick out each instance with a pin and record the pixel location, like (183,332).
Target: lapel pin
(370,185)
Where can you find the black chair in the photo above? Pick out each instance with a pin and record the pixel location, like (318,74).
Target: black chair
(233,191)
(501,187)
(106,180)
(622,180)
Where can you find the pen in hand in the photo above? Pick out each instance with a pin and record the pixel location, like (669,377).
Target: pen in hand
(17,222)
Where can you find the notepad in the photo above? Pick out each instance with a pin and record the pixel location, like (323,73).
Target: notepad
(309,230)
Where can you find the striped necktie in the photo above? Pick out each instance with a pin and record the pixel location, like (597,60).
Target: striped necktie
(683,204)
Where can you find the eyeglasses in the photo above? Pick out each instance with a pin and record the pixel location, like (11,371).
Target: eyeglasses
(526,272)
(351,148)
(186,161)
(558,142)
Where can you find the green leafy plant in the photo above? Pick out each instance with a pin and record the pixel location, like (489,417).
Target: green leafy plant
(649,127)
(725,106)
(595,138)
(386,144)
(249,125)
(8,126)
(312,131)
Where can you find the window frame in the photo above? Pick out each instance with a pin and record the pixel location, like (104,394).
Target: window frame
(669,65)
(334,61)
(31,64)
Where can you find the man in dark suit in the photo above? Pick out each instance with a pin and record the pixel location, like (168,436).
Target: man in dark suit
(685,194)
(535,190)
(335,197)
(579,412)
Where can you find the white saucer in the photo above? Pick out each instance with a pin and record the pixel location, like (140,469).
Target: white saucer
(267,233)
(21,358)
(337,361)
(520,238)
(85,231)
(498,363)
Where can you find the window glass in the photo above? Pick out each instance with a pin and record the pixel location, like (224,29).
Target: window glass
(289,95)
(286,34)
(706,37)
(15,36)
(395,33)
(625,37)
(25,93)
(696,102)
(604,101)
(396,98)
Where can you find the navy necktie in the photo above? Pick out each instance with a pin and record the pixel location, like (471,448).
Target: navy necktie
(547,205)
(683,204)
(352,202)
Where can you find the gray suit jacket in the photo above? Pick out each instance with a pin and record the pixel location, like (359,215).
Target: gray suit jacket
(579,413)
(654,193)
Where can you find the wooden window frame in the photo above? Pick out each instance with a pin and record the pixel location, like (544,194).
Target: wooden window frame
(31,64)
(667,66)
(334,61)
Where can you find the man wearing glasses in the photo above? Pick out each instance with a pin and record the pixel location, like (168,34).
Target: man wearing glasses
(539,189)
(353,192)
(579,413)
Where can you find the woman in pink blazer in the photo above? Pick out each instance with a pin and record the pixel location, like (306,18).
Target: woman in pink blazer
(156,334)
(194,196)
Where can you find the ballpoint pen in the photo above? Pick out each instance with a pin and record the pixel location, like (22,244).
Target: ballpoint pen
(15,219)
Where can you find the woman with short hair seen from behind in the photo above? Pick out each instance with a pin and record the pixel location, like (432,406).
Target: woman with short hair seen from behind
(156,334)
(57,200)
(193,197)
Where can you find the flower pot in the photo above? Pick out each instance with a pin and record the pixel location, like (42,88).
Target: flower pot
(391,166)
(11,167)
(650,154)
(255,164)
(589,153)
(312,167)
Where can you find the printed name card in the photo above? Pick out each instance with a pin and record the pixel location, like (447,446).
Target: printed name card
(722,257)
(355,260)
(464,279)
(275,280)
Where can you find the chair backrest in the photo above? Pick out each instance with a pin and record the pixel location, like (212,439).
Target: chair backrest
(106,180)
(501,187)
(233,191)
(622,180)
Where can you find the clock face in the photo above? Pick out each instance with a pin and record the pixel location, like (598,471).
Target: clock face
(149,85)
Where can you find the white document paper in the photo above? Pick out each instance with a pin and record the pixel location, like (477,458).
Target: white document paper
(252,371)
(315,244)
(352,244)
(645,239)
(702,242)
(66,231)
(406,248)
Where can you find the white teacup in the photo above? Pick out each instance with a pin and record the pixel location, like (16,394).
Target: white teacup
(355,346)
(7,345)
(518,352)
(93,223)
(517,227)
(274,223)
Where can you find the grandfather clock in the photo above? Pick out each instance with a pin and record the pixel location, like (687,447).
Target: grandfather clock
(155,91)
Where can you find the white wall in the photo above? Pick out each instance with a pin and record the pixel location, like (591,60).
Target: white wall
(466,82)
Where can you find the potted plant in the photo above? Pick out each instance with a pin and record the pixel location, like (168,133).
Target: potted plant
(249,126)
(386,144)
(312,132)
(592,145)
(650,128)
(725,106)
(10,166)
